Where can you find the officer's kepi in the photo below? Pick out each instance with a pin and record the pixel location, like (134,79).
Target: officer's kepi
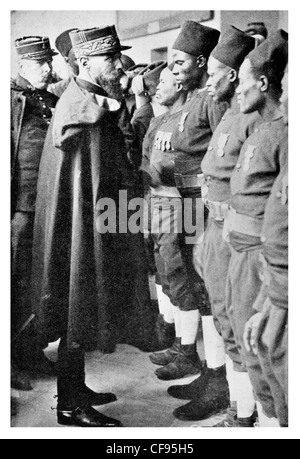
(96,41)
(34,48)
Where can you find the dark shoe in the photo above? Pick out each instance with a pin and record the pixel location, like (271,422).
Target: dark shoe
(18,380)
(93,398)
(208,377)
(237,422)
(40,364)
(85,417)
(165,332)
(168,356)
(186,363)
(197,410)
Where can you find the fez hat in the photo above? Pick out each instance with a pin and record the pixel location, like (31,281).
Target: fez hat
(196,39)
(233,47)
(257,28)
(273,52)
(151,75)
(63,42)
(96,41)
(34,47)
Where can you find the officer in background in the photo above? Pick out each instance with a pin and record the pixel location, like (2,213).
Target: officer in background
(64,46)
(258,31)
(212,254)
(32,107)
(259,163)
(200,117)
(267,332)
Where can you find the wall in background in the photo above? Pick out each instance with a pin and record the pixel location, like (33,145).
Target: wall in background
(52,23)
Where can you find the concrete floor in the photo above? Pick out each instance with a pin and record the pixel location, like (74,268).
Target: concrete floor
(142,398)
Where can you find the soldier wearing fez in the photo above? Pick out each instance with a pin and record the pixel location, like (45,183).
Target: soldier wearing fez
(190,139)
(31,110)
(262,157)
(75,263)
(212,256)
(266,334)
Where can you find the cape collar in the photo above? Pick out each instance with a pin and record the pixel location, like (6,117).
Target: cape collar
(90,87)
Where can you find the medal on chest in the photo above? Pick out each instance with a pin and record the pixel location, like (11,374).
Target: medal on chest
(223,139)
(182,121)
(248,156)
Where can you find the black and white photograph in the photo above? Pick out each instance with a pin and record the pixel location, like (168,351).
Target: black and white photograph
(149,199)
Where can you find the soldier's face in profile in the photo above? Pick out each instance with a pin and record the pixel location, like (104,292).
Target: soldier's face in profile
(250,97)
(284,101)
(168,90)
(37,72)
(186,69)
(106,71)
(219,85)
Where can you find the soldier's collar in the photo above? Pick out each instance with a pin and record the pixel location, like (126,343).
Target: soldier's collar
(22,83)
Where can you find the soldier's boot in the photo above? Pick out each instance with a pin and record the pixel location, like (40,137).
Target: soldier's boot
(232,420)
(209,377)
(165,333)
(167,356)
(213,401)
(186,363)
(18,380)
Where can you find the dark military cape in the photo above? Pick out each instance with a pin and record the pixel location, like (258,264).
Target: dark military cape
(83,281)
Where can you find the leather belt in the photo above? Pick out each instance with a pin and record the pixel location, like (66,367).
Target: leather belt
(244,224)
(189,181)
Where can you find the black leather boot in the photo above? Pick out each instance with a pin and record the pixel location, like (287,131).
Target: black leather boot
(18,380)
(186,363)
(84,417)
(91,398)
(209,377)
(165,332)
(168,356)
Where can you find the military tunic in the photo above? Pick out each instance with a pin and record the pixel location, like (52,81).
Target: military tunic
(31,111)
(212,254)
(199,119)
(166,214)
(273,332)
(251,183)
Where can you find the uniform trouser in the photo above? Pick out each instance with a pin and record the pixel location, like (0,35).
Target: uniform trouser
(22,226)
(173,258)
(272,343)
(70,376)
(243,287)
(212,256)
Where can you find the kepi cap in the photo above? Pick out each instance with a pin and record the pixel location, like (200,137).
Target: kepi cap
(63,42)
(151,75)
(257,28)
(273,52)
(34,48)
(233,47)
(196,39)
(96,41)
